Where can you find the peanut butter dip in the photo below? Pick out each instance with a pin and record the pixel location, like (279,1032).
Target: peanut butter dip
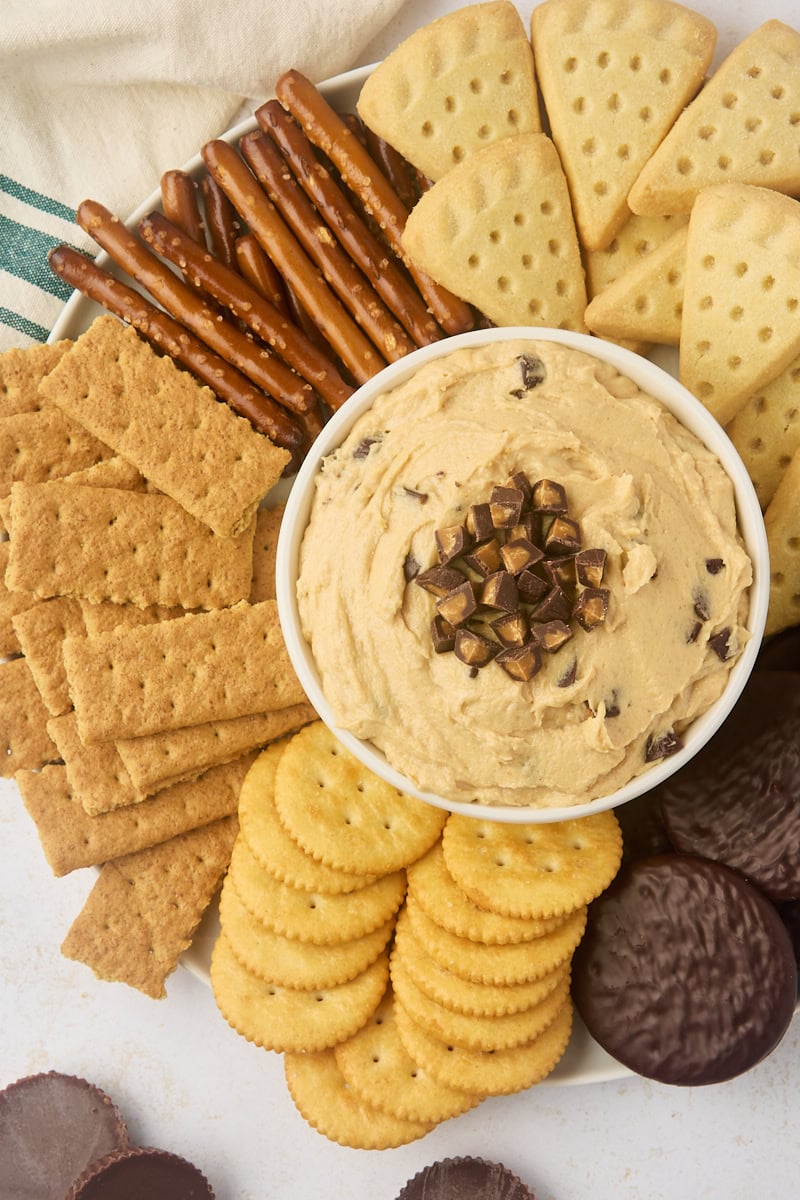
(644,644)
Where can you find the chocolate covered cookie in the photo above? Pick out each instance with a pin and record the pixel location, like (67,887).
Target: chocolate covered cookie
(738,801)
(686,973)
(465,1179)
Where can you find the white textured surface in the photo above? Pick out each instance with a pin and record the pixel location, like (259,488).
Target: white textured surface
(187,1083)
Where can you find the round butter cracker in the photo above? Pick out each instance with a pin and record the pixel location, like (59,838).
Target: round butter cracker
(344,815)
(533,871)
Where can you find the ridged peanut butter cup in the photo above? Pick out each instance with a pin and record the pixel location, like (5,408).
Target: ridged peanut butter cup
(465,1179)
(142,1171)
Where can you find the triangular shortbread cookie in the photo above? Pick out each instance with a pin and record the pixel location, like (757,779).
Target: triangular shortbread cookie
(455,85)
(498,231)
(646,302)
(782,520)
(766,431)
(741,305)
(614,76)
(744,127)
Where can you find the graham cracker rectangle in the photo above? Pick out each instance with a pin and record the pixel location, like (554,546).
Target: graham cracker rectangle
(144,909)
(164,758)
(11,603)
(36,446)
(96,774)
(102,617)
(71,839)
(174,430)
(24,741)
(205,667)
(41,631)
(265,545)
(111,472)
(128,547)
(21,372)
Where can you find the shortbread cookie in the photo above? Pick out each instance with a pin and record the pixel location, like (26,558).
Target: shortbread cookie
(741,302)
(766,431)
(204,667)
(742,127)
(194,449)
(24,741)
(288,1019)
(269,841)
(316,917)
(324,1099)
(497,230)
(456,84)
(143,910)
(614,76)
(129,547)
(344,815)
(782,520)
(527,870)
(379,1070)
(487,1073)
(645,303)
(289,963)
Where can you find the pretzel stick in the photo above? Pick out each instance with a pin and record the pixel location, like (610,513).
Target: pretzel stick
(362,175)
(398,170)
(221,219)
(352,287)
(236,294)
(82,273)
(259,271)
(238,182)
(220,334)
(179,201)
(380,267)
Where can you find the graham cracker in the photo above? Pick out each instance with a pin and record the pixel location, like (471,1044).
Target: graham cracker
(741,295)
(265,545)
(163,758)
(37,446)
(646,302)
(24,741)
(782,520)
(456,84)
(143,910)
(72,839)
(41,631)
(766,431)
(21,372)
(614,76)
(96,774)
(497,230)
(206,667)
(11,604)
(111,472)
(181,438)
(128,547)
(742,127)
(105,615)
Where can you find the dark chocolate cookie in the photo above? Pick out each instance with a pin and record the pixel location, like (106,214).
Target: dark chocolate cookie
(781,652)
(52,1127)
(465,1179)
(686,973)
(738,801)
(643,832)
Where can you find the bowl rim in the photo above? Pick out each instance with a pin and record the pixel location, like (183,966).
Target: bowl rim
(651,378)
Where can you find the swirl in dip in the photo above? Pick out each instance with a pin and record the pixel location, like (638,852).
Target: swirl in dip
(615,696)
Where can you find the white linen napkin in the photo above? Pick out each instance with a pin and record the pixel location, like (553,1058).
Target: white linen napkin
(99,99)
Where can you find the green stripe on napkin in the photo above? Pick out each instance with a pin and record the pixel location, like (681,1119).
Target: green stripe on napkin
(36,199)
(23,325)
(24,254)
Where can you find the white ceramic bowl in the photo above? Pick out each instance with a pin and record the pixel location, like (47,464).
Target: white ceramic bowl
(651,379)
